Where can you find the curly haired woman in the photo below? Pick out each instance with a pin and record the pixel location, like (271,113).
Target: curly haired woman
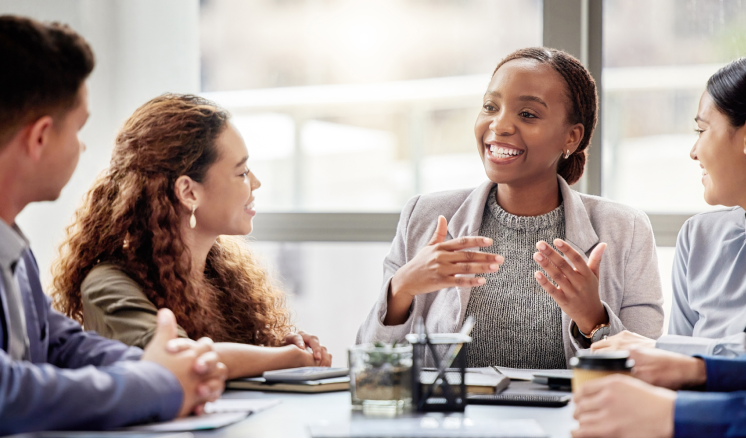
(537,118)
(154,232)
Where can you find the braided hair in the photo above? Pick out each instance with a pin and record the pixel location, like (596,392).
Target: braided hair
(582,97)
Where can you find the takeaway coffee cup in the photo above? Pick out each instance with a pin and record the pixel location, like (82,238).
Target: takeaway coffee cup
(591,366)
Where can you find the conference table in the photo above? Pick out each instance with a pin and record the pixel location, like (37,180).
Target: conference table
(296,412)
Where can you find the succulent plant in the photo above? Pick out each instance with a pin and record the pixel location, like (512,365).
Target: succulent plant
(378,358)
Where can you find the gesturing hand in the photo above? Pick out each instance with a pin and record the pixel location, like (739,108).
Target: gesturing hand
(668,369)
(196,366)
(304,340)
(438,265)
(621,406)
(577,288)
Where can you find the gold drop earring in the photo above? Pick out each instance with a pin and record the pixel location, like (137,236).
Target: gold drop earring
(193,219)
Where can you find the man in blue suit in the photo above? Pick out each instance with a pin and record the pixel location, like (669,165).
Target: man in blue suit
(53,375)
(671,395)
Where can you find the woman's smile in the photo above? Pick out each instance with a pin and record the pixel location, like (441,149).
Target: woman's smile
(502,153)
(704,174)
(249,209)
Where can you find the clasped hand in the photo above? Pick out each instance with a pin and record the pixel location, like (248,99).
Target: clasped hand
(195,364)
(304,340)
(576,290)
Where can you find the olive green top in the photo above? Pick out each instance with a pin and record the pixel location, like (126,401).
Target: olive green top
(116,307)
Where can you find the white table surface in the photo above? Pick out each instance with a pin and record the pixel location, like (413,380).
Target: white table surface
(292,417)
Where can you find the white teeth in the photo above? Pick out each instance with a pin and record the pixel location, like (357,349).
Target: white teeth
(503,152)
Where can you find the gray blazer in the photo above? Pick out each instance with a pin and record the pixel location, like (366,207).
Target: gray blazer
(630,286)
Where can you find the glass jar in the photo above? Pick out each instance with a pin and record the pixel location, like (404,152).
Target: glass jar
(380,377)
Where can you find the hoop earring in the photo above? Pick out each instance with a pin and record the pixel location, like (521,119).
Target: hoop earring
(567,154)
(193,219)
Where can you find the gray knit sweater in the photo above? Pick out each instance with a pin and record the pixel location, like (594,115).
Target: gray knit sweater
(517,323)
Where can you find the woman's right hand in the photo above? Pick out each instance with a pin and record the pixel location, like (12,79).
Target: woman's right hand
(439,265)
(305,341)
(625,340)
(298,357)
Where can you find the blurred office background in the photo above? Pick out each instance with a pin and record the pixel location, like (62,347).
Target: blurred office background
(350,107)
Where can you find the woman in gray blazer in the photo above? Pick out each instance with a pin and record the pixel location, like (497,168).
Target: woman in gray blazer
(533,307)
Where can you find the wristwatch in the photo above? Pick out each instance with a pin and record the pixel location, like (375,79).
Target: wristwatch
(600,332)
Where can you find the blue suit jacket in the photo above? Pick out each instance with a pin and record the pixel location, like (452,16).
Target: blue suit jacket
(75,379)
(721,412)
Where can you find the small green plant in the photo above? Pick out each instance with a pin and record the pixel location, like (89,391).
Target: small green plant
(380,357)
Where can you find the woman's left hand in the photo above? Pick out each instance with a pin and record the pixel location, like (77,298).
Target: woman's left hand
(577,294)
(303,340)
(668,369)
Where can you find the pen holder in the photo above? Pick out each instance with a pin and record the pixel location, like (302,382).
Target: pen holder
(443,388)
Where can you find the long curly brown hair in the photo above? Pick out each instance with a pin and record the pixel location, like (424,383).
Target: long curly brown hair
(131,218)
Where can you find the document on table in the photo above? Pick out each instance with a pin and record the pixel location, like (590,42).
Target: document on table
(204,422)
(218,414)
(528,374)
(240,405)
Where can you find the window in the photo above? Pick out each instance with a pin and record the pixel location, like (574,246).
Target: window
(358,105)
(657,58)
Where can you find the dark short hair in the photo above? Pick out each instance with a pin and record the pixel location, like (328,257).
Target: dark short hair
(44,65)
(727,87)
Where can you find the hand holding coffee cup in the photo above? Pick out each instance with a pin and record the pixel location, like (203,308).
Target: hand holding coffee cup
(590,366)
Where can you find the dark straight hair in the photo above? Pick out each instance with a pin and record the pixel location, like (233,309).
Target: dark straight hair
(727,87)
